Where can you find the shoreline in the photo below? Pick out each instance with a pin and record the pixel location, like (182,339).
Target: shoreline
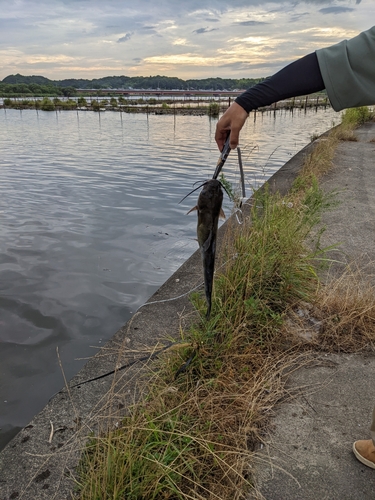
(169,107)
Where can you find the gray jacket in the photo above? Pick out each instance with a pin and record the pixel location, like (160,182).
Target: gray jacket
(348,71)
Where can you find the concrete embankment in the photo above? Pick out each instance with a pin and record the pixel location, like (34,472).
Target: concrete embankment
(37,463)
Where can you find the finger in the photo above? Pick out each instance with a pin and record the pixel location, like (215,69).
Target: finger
(234,138)
(220,138)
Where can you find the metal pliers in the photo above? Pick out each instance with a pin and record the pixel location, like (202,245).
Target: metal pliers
(222,158)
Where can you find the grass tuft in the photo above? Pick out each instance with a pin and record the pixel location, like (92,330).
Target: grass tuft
(346,309)
(351,119)
(213,109)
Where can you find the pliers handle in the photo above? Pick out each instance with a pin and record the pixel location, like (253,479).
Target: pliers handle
(222,158)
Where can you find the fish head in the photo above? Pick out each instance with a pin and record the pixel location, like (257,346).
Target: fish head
(209,210)
(211,197)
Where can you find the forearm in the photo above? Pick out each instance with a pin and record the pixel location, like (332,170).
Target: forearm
(301,77)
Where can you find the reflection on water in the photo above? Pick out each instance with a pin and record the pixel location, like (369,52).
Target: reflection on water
(91,226)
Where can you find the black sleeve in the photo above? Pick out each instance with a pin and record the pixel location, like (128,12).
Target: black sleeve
(301,77)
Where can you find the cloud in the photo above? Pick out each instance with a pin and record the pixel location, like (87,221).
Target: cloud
(125,38)
(199,31)
(185,59)
(251,23)
(335,10)
(75,37)
(180,41)
(246,66)
(297,17)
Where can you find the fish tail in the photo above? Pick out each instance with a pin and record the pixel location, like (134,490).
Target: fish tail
(208,313)
(208,271)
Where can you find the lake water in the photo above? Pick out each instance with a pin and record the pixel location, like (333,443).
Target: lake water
(90,227)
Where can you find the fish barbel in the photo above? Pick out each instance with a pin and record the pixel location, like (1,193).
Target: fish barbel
(209,210)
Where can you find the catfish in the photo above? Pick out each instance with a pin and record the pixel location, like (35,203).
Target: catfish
(209,210)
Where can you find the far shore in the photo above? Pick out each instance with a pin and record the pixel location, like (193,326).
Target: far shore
(154,106)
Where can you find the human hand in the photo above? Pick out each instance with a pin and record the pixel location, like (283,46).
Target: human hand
(232,121)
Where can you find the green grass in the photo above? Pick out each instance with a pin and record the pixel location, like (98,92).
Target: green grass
(351,119)
(356,116)
(213,109)
(267,266)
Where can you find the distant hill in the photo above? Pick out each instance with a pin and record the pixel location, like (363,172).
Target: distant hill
(15,79)
(136,82)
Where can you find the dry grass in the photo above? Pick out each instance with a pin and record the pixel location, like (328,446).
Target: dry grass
(347,135)
(341,318)
(189,440)
(193,436)
(345,306)
(319,161)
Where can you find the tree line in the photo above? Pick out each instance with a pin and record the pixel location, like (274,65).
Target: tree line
(39,85)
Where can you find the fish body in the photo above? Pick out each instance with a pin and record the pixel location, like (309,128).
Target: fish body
(209,210)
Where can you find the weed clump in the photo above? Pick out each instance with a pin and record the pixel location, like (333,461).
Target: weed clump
(47,105)
(346,309)
(356,116)
(213,109)
(351,119)
(267,265)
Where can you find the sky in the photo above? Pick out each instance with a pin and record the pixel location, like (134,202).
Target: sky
(90,39)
